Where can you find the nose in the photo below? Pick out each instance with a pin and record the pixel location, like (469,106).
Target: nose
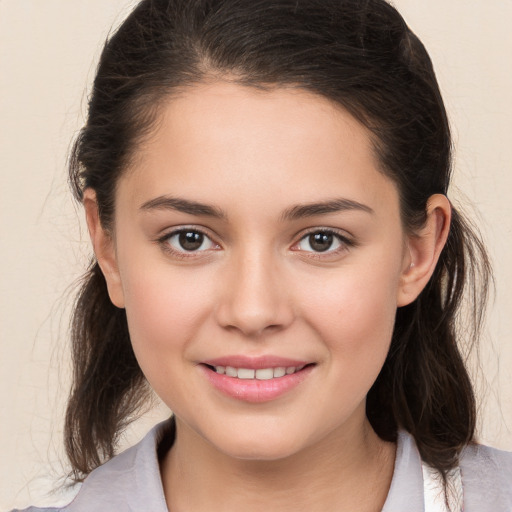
(254,298)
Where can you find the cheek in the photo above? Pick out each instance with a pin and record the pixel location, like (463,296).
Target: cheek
(362,296)
(354,313)
(164,308)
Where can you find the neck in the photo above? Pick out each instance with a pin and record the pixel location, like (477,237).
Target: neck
(348,470)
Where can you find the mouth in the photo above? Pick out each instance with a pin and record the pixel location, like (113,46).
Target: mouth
(257,374)
(256,380)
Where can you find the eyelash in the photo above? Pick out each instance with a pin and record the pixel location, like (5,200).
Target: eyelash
(344,243)
(164,242)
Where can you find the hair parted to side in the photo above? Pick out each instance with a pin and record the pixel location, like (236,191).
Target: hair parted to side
(361,55)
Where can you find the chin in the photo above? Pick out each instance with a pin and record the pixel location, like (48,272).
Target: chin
(260,445)
(260,452)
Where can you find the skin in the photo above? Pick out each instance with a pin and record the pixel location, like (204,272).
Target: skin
(259,288)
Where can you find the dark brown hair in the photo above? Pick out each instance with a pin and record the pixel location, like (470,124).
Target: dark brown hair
(361,55)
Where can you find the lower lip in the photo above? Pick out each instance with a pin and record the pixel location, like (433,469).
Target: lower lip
(254,390)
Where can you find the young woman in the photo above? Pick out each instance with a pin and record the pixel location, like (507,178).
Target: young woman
(265,185)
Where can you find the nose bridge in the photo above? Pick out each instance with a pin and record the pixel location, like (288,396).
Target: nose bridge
(255,299)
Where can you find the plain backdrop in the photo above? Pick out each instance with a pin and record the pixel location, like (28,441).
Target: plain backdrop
(48,52)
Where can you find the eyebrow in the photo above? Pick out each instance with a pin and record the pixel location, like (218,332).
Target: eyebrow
(185,206)
(301,211)
(296,212)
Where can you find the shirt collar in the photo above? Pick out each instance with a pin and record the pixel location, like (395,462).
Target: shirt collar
(406,491)
(129,481)
(132,480)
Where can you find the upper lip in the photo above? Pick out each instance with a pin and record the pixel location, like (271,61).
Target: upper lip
(255,363)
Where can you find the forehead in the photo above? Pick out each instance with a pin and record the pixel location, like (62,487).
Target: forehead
(219,142)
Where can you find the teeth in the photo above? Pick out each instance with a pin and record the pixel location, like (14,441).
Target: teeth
(265,374)
(244,373)
(279,372)
(260,374)
(231,372)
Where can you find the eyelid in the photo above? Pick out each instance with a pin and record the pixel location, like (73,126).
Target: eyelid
(163,241)
(345,240)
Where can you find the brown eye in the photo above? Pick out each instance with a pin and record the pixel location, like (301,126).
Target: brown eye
(321,242)
(190,240)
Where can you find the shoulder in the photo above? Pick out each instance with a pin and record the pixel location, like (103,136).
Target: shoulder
(486,463)
(59,499)
(37,509)
(487,477)
(129,481)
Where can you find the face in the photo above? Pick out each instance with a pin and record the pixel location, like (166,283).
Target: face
(260,255)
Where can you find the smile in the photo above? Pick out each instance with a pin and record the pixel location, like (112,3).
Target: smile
(255,380)
(259,374)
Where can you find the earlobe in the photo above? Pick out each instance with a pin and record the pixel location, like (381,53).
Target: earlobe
(423,250)
(104,248)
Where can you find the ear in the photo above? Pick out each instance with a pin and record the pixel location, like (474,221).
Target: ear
(423,249)
(104,248)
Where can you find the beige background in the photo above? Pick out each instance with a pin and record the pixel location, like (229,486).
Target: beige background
(47,50)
